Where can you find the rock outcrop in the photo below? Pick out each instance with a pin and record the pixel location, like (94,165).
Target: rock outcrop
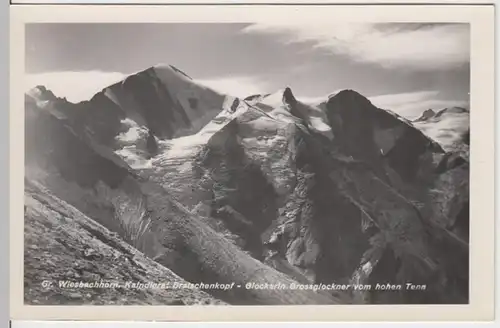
(427,114)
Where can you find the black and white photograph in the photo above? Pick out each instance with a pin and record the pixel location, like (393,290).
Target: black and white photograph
(248,163)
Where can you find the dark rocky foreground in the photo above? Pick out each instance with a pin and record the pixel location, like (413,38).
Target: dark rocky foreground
(63,245)
(159,179)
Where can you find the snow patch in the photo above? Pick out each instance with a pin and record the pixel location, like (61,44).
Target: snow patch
(225,116)
(134,157)
(183,146)
(133,134)
(43,103)
(318,124)
(280,113)
(133,143)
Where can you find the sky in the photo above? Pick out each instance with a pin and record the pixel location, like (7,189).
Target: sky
(405,67)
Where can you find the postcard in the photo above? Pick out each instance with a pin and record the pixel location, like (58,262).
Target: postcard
(264,162)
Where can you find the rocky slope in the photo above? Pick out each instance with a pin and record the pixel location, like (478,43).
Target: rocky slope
(65,247)
(264,189)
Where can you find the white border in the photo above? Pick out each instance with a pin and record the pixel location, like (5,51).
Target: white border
(481,19)
(232,2)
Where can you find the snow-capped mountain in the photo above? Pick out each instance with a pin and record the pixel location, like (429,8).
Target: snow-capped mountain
(265,189)
(447,126)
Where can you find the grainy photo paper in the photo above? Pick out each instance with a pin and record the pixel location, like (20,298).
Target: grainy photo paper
(252,163)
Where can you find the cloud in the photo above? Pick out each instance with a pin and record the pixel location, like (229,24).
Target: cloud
(75,86)
(316,100)
(447,131)
(312,101)
(412,104)
(403,98)
(236,86)
(411,46)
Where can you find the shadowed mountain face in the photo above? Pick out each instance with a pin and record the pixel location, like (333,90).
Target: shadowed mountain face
(264,189)
(64,245)
(373,135)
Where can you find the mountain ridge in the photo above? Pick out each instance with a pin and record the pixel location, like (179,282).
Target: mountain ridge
(285,191)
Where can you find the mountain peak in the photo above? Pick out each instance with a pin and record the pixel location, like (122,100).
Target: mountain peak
(349,96)
(276,99)
(431,114)
(288,97)
(426,115)
(253,97)
(349,93)
(41,93)
(162,66)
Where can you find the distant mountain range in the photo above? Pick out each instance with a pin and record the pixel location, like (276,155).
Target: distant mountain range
(447,126)
(157,178)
